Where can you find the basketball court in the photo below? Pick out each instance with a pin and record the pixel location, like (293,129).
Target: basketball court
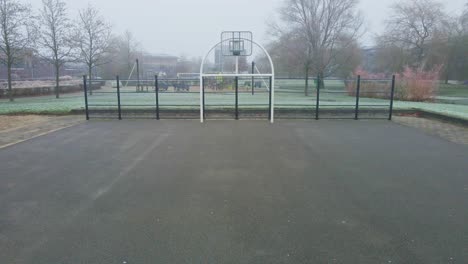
(136,191)
(246,191)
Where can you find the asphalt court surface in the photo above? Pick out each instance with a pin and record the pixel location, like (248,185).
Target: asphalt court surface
(137,191)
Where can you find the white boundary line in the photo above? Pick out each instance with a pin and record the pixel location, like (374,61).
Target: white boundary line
(39,135)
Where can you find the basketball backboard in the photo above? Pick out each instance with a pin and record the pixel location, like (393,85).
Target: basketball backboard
(236,43)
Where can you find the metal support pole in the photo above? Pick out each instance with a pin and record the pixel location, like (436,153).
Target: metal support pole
(118,98)
(270,91)
(272,120)
(86,96)
(391,98)
(237,97)
(156,89)
(358,88)
(317,103)
(203,98)
(253,78)
(138,75)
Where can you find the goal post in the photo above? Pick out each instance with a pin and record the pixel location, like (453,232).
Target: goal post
(237,44)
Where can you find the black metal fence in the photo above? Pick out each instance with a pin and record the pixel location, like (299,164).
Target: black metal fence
(241,98)
(237,97)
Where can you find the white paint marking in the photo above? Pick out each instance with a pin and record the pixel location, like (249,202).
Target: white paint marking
(36,136)
(130,167)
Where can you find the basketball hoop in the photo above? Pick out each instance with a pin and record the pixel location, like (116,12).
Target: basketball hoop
(236,43)
(236,47)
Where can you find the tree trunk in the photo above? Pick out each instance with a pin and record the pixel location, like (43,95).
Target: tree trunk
(90,84)
(306,88)
(10,89)
(57,81)
(321,77)
(447,71)
(420,58)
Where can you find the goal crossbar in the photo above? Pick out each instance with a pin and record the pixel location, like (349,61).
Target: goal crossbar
(236,75)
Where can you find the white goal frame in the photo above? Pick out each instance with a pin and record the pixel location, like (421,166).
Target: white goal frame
(237,74)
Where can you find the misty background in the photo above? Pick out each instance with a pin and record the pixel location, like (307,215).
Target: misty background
(184,27)
(64,40)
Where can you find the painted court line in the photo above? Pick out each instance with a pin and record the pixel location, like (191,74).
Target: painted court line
(36,136)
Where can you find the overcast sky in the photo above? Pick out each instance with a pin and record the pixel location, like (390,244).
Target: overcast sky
(190,27)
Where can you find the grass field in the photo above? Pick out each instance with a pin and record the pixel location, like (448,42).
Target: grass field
(289,93)
(453,90)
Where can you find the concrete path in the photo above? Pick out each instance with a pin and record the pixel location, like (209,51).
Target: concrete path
(455,133)
(15,129)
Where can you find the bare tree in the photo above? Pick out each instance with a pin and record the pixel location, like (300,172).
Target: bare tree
(348,58)
(125,50)
(15,34)
(464,19)
(322,25)
(92,37)
(55,36)
(289,51)
(389,58)
(413,24)
(447,46)
(129,48)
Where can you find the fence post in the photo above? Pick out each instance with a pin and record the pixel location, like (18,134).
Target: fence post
(86,96)
(237,97)
(253,79)
(138,75)
(269,98)
(118,98)
(317,103)
(203,99)
(391,98)
(358,88)
(156,89)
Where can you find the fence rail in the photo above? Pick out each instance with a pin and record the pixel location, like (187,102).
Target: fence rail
(241,97)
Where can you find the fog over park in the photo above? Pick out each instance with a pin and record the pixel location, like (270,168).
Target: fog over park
(189,27)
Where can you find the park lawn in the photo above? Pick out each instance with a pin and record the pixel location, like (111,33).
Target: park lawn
(289,94)
(41,105)
(451,110)
(453,90)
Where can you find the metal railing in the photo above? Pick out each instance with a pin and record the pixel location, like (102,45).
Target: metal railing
(236,97)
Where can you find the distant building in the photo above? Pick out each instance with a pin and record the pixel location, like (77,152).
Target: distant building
(27,66)
(158,63)
(368,58)
(31,67)
(219,59)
